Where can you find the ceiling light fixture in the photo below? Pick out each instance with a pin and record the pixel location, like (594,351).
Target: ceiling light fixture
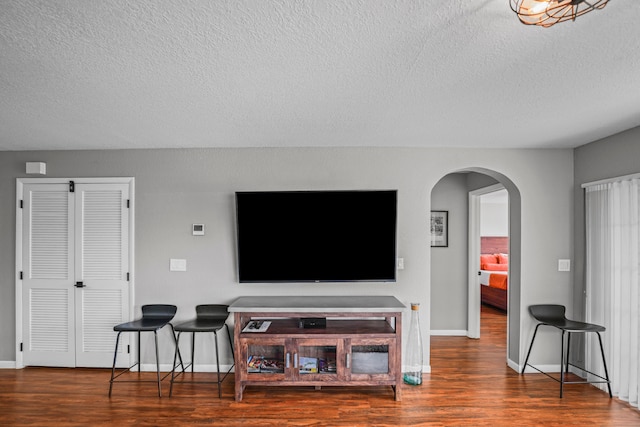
(546,13)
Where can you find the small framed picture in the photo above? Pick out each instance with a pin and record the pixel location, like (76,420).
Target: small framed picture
(439,229)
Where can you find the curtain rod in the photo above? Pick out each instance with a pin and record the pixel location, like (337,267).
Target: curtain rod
(609,180)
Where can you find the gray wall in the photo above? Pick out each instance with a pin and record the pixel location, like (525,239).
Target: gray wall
(449,288)
(175,188)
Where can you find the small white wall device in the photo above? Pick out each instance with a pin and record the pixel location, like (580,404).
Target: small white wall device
(198,229)
(39,168)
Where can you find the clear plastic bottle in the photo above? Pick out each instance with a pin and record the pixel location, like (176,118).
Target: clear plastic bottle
(413,359)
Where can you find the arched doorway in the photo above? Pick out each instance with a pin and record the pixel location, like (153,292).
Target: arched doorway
(453,190)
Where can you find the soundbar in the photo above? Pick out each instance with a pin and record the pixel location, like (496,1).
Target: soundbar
(313,322)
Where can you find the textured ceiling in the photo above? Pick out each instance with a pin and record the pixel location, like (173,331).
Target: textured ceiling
(81,74)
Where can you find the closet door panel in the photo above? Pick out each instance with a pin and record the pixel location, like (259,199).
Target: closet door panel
(47,293)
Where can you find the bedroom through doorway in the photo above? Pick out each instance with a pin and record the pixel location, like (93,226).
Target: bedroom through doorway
(493,273)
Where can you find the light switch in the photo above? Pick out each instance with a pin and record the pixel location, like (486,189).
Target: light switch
(178,265)
(400,263)
(564,265)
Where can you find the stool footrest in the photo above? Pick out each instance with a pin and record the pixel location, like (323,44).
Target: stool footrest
(604,380)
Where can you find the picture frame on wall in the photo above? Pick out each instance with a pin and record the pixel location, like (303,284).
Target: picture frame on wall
(439,229)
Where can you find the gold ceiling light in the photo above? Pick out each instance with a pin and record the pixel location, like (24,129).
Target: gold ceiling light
(546,13)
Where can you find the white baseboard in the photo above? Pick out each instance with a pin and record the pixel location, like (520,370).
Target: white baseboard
(543,368)
(150,367)
(7,365)
(513,365)
(449,332)
(426,369)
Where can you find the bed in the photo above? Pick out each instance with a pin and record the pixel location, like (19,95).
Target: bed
(494,272)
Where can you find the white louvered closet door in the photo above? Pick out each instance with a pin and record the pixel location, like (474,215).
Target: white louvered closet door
(75,287)
(48,294)
(101,268)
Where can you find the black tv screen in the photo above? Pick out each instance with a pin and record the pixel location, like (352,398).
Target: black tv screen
(316,236)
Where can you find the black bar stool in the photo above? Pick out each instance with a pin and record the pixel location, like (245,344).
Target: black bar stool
(554,315)
(209,318)
(154,317)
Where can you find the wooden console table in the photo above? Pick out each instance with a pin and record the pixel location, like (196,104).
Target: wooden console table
(361,344)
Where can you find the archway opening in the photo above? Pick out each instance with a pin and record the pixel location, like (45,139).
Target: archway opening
(454,268)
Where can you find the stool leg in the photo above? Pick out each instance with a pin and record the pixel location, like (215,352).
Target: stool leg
(526,360)
(561,362)
(139,360)
(175,341)
(233,353)
(566,369)
(113,368)
(155,334)
(604,363)
(215,336)
(173,368)
(193,350)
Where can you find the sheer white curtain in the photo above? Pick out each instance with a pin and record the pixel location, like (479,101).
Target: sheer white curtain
(613,281)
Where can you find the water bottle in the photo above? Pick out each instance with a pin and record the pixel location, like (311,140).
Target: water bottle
(413,359)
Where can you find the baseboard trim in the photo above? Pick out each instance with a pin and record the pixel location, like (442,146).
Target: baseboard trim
(449,332)
(513,365)
(543,368)
(150,367)
(7,365)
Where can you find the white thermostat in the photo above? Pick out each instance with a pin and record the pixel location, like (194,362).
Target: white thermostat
(198,229)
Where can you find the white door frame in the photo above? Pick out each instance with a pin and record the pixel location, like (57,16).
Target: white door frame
(473,317)
(20,182)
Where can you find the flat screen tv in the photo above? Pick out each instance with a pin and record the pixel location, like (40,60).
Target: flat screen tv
(316,236)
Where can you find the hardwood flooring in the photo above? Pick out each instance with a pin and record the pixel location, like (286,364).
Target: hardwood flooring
(470,385)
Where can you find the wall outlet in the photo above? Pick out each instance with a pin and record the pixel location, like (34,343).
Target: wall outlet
(564,265)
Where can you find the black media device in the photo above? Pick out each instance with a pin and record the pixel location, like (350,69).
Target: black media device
(313,322)
(316,236)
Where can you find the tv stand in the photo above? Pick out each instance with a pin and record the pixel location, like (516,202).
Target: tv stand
(360,344)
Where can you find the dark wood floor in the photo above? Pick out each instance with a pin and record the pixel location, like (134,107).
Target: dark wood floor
(470,385)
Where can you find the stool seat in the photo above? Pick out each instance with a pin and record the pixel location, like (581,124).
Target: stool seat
(554,315)
(143,325)
(200,325)
(575,326)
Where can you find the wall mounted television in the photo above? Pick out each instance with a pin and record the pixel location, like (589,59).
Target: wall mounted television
(316,236)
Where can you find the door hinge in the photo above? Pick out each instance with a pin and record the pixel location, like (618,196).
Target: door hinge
(21,275)
(128,277)
(21,204)
(128,203)
(128,349)
(72,186)
(21,347)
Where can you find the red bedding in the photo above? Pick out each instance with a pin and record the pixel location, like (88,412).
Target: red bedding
(495,294)
(498,281)
(497,263)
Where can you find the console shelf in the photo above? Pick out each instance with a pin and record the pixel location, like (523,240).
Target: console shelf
(360,345)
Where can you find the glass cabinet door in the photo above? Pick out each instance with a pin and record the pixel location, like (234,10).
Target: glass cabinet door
(266,358)
(317,359)
(371,359)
